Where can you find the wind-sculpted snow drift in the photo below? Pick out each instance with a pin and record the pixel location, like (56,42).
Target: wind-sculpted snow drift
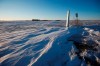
(37,44)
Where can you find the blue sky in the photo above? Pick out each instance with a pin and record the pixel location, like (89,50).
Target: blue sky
(48,9)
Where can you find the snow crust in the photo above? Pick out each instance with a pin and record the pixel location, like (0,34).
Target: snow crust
(37,44)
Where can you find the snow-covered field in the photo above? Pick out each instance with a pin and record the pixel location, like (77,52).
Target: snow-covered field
(46,43)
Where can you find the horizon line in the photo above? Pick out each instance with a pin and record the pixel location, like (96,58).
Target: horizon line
(48,19)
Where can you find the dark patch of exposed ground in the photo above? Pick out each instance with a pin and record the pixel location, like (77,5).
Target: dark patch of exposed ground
(88,48)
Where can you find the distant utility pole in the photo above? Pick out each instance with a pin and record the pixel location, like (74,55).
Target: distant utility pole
(68,18)
(76,18)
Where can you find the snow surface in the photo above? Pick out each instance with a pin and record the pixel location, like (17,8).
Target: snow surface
(38,44)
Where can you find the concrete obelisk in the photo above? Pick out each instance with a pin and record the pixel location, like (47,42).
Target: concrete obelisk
(68,17)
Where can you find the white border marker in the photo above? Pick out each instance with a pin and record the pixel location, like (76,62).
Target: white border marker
(68,17)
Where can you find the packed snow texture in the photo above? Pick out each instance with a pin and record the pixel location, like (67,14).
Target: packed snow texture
(39,43)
